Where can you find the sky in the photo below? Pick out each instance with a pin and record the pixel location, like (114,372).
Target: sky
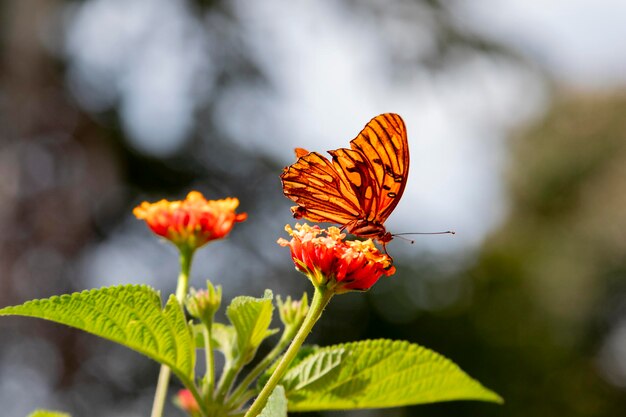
(580,42)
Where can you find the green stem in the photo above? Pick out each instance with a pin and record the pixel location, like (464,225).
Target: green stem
(186,256)
(261,366)
(196,394)
(320,300)
(237,403)
(210,361)
(161,392)
(226,381)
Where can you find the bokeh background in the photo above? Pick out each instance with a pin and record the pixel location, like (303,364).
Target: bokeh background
(516,112)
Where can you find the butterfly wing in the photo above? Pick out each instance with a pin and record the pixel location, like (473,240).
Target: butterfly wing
(385,167)
(363,183)
(320,192)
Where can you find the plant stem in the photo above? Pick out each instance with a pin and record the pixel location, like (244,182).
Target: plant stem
(161,392)
(158,404)
(194,391)
(261,366)
(186,256)
(210,361)
(229,375)
(320,300)
(241,400)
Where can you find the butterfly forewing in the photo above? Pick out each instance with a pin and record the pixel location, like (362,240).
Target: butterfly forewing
(384,142)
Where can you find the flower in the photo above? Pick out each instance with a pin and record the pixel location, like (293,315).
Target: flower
(186,401)
(333,262)
(192,222)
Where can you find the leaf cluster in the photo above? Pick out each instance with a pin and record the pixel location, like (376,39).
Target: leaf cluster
(365,374)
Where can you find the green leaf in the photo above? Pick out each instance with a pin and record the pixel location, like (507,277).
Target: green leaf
(303,352)
(311,372)
(251,318)
(130,315)
(378,374)
(276,404)
(46,413)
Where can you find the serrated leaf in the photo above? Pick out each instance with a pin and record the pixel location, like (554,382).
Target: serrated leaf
(276,404)
(383,373)
(312,372)
(303,352)
(130,315)
(251,318)
(46,413)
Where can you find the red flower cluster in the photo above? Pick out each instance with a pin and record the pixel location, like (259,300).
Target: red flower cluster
(192,222)
(331,261)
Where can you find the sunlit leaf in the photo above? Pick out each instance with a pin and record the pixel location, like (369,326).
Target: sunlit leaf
(311,372)
(130,315)
(378,374)
(303,352)
(251,317)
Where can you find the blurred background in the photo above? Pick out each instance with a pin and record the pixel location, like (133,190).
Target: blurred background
(516,113)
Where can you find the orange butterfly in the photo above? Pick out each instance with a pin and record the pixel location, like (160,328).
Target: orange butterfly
(360,187)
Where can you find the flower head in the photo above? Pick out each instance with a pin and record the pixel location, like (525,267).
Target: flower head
(331,261)
(186,401)
(192,222)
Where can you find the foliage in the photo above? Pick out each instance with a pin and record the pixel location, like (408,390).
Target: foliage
(367,374)
(375,374)
(276,405)
(47,413)
(251,318)
(130,315)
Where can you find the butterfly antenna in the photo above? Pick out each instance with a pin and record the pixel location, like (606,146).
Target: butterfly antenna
(447,232)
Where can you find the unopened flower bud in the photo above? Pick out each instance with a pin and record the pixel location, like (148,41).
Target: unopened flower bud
(203,304)
(293,312)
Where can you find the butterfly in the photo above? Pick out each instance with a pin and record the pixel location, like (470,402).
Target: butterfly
(360,186)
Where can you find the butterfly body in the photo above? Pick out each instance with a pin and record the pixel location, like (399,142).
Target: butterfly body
(358,227)
(358,187)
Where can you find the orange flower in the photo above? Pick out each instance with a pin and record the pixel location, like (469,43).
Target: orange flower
(185,400)
(192,222)
(329,260)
